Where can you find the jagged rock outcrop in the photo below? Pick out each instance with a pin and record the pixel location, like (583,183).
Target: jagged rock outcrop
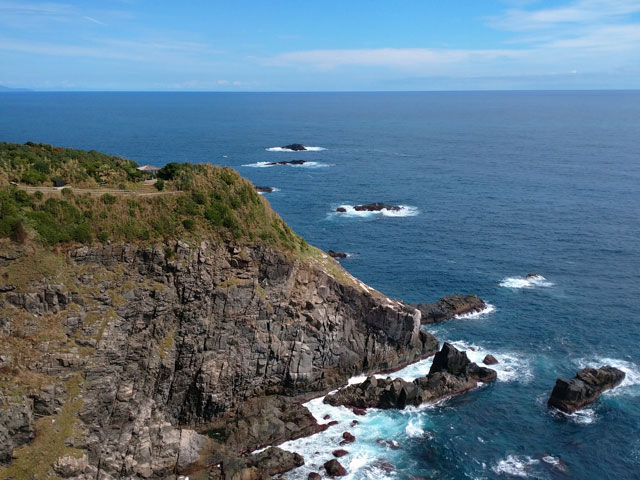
(296,147)
(375,207)
(452,373)
(287,162)
(156,356)
(584,388)
(448,307)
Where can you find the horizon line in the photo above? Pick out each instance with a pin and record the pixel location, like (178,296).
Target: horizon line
(17,90)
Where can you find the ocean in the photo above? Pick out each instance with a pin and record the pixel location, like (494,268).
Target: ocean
(495,185)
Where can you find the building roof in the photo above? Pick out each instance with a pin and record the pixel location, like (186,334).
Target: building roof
(148,168)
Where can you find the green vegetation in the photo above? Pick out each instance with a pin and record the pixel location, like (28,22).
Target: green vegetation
(191,202)
(34,459)
(40,164)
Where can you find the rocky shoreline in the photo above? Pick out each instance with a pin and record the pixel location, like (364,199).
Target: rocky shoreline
(191,357)
(194,357)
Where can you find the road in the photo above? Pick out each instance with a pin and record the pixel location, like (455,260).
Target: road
(96,191)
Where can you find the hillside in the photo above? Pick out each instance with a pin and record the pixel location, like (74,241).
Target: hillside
(163,336)
(201,201)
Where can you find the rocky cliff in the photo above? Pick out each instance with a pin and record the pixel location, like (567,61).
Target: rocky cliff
(119,361)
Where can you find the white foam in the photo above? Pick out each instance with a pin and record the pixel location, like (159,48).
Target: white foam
(273,189)
(405,211)
(515,466)
(551,460)
(414,429)
(631,383)
(307,149)
(510,367)
(479,314)
(585,416)
(272,164)
(532,281)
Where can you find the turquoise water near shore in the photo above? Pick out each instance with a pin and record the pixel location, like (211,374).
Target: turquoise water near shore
(496,185)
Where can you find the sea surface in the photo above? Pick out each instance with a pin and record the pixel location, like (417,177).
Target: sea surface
(495,186)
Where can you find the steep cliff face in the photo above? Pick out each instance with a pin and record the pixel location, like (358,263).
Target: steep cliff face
(124,356)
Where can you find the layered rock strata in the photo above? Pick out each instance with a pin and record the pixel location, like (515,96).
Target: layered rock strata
(170,360)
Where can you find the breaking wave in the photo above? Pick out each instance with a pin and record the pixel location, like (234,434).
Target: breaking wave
(271,164)
(631,383)
(516,466)
(272,191)
(511,366)
(307,149)
(481,313)
(405,211)
(530,281)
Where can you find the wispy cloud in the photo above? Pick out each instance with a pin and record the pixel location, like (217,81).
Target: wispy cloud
(91,19)
(581,34)
(407,58)
(140,51)
(580,12)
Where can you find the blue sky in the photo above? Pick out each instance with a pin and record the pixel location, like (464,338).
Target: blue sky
(309,45)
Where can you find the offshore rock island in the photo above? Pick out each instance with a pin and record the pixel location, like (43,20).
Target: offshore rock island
(168,329)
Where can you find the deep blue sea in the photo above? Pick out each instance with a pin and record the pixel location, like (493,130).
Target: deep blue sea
(495,185)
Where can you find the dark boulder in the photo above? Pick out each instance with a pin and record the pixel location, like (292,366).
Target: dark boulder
(348,438)
(296,147)
(263,189)
(314,476)
(375,207)
(448,307)
(490,360)
(340,453)
(334,469)
(449,359)
(392,444)
(275,461)
(451,373)
(533,275)
(288,162)
(584,388)
(333,254)
(341,210)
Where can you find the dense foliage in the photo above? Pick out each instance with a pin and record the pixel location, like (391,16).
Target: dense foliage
(196,202)
(39,164)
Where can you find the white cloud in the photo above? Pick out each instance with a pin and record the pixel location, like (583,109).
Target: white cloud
(577,12)
(589,35)
(407,58)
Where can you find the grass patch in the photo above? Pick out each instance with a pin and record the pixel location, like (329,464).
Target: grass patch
(34,460)
(166,344)
(206,202)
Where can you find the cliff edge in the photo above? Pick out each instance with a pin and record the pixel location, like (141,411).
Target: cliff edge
(156,358)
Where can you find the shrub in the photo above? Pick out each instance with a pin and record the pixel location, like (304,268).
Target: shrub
(38,195)
(82,233)
(22,197)
(66,191)
(108,199)
(103,236)
(199,197)
(159,184)
(19,233)
(189,224)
